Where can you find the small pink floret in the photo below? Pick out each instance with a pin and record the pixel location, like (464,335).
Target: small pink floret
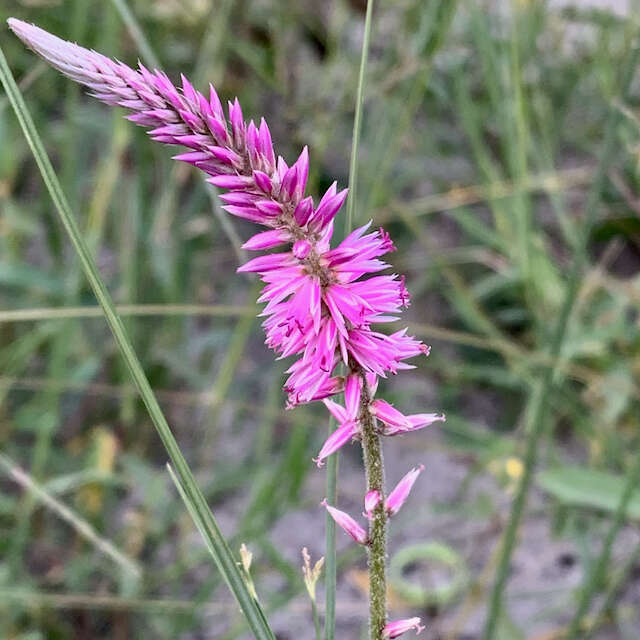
(371,501)
(347,523)
(399,495)
(397,628)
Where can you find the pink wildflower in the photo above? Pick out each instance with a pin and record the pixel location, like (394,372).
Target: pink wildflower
(319,308)
(322,304)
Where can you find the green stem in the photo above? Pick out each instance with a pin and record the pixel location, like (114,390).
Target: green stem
(540,395)
(357,120)
(330,572)
(377,547)
(316,620)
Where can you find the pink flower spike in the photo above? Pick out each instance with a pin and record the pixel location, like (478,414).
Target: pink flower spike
(397,628)
(398,496)
(337,439)
(348,524)
(371,501)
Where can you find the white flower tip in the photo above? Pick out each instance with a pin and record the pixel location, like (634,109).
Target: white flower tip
(16,25)
(319,462)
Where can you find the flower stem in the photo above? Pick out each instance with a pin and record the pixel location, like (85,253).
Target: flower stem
(377,548)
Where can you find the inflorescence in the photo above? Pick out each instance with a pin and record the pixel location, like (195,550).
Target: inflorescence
(323,304)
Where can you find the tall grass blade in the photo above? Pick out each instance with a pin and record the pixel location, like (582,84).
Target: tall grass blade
(357,120)
(332,462)
(330,569)
(223,557)
(144,47)
(140,310)
(539,401)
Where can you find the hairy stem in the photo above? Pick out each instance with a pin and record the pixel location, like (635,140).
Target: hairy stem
(377,548)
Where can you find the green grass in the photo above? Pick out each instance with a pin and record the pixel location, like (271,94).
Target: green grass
(481,133)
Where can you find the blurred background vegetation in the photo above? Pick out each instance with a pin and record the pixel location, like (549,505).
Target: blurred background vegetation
(483,127)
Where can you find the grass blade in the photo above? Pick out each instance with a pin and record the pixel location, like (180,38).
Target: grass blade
(202,516)
(539,401)
(138,310)
(332,462)
(357,120)
(330,572)
(136,33)
(224,559)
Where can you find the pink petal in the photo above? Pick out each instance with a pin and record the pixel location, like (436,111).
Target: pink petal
(352,393)
(371,501)
(397,628)
(346,522)
(337,439)
(266,240)
(398,496)
(390,415)
(301,248)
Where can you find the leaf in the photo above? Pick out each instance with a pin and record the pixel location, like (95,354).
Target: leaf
(579,487)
